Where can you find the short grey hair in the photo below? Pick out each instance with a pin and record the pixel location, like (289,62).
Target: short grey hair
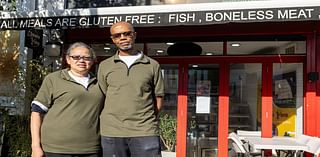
(82,45)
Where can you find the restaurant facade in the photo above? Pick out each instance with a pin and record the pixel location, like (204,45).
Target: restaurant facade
(227,66)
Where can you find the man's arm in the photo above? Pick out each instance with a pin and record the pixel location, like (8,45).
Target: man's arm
(159,100)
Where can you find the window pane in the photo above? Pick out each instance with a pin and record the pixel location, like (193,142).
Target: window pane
(287,98)
(185,48)
(265,47)
(245,97)
(168,115)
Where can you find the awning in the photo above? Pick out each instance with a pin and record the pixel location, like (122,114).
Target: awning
(166,15)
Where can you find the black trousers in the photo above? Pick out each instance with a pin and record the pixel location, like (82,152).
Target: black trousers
(71,155)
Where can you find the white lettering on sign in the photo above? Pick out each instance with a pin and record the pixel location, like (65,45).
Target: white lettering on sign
(49,23)
(167,18)
(140,19)
(182,17)
(109,20)
(295,13)
(239,15)
(86,21)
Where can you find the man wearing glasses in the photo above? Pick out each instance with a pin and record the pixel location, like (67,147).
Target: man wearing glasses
(133,85)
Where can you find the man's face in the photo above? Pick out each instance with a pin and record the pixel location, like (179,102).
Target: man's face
(123,35)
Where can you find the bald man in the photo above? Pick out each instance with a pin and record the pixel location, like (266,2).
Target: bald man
(134,88)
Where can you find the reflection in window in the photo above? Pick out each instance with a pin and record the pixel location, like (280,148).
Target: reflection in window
(284,93)
(287,98)
(170,76)
(245,97)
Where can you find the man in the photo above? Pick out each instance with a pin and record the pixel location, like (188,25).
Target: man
(133,85)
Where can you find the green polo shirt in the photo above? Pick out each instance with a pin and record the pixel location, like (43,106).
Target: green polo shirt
(129,107)
(71,125)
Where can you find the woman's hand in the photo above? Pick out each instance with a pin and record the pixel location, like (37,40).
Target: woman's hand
(37,152)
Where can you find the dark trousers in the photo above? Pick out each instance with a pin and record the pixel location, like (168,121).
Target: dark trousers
(46,154)
(146,146)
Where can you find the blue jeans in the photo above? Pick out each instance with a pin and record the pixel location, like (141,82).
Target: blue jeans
(146,146)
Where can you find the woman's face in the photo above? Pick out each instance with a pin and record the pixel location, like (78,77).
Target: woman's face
(80,60)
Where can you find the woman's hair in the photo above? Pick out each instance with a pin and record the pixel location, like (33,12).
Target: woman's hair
(83,45)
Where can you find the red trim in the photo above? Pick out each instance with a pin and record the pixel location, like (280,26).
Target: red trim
(231,59)
(317,120)
(310,109)
(223,116)
(225,47)
(182,111)
(266,108)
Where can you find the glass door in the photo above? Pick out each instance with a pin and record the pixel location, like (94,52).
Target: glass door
(202,115)
(245,97)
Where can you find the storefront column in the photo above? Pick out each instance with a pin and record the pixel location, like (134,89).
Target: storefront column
(310,106)
(317,120)
(182,112)
(266,108)
(223,113)
(317,105)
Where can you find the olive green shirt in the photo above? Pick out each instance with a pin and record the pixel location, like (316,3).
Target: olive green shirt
(71,125)
(130,105)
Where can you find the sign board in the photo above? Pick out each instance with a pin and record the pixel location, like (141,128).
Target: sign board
(203,17)
(33,38)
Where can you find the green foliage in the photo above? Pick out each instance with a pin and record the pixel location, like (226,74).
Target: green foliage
(12,6)
(17,141)
(29,79)
(17,134)
(38,72)
(167,126)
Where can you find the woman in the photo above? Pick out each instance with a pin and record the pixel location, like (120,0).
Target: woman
(65,112)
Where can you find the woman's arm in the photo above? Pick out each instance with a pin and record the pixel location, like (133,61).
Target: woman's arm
(35,125)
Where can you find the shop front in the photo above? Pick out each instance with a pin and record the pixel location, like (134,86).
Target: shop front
(247,77)
(227,67)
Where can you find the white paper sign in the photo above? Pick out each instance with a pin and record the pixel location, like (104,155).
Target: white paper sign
(203,104)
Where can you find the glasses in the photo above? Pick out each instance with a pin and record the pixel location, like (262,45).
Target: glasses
(128,34)
(81,57)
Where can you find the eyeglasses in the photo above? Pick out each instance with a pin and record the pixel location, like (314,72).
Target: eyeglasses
(125,34)
(81,57)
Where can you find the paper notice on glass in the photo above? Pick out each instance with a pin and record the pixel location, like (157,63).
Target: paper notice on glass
(203,104)
(203,88)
